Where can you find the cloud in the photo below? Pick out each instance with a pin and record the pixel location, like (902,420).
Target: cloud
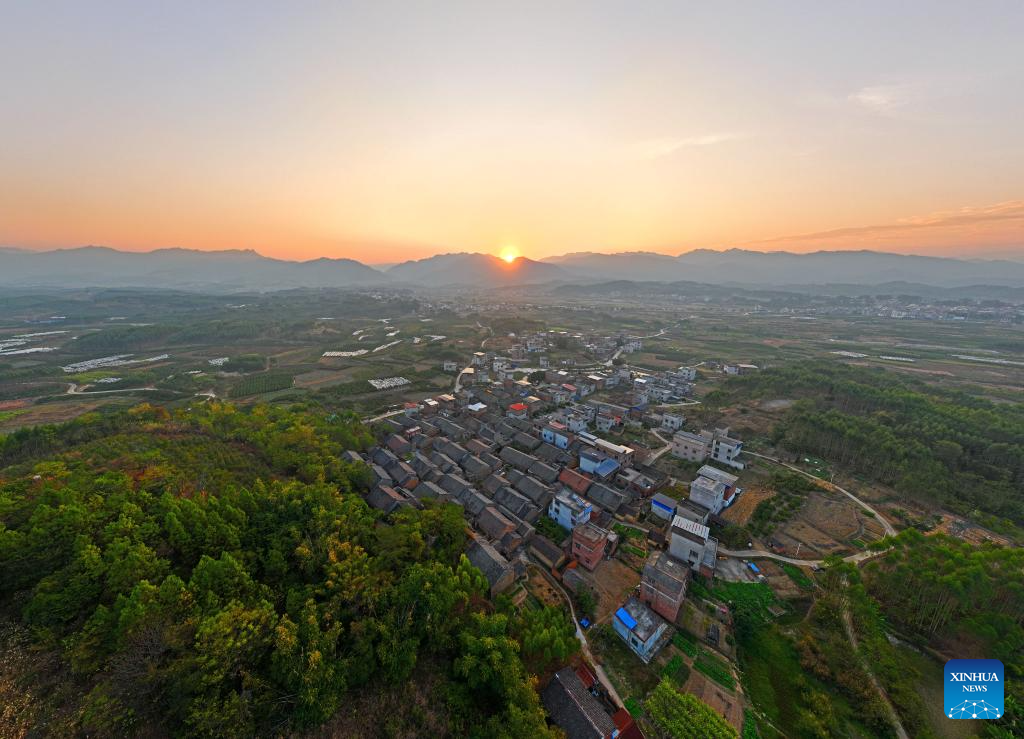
(657,148)
(881,99)
(1007,211)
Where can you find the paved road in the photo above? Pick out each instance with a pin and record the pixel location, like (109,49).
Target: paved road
(889,530)
(657,455)
(73,390)
(382,416)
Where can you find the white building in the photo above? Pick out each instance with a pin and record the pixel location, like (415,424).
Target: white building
(716,445)
(691,542)
(671,422)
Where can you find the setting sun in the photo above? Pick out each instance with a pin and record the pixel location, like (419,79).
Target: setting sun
(510,254)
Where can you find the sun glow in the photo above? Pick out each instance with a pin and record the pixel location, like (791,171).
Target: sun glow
(510,254)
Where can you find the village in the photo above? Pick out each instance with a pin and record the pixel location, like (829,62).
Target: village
(561,515)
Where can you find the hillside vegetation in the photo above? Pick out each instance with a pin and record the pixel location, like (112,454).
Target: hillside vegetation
(937,446)
(215,573)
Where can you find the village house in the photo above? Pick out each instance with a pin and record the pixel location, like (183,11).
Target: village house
(575,481)
(708,493)
(499,572)
(547,552)
(663,585)
(641,628)
(691,543)
(588,544)
(671,422)
(716,445)
(569,510)
(574,710)
(663,506)
(519,410)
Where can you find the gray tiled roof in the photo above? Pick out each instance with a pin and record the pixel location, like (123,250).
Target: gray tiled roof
(573,709)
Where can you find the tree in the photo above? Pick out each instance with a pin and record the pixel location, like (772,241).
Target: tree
(547,637)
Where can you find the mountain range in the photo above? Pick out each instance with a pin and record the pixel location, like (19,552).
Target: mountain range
(95,266)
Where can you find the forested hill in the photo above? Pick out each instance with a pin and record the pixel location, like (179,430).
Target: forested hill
(215,573)
(937,446)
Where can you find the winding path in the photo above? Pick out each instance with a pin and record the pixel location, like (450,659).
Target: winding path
(74,389)
(602,676)
(890,711)
(889,529)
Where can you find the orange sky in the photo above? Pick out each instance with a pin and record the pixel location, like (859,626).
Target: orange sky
(385,132)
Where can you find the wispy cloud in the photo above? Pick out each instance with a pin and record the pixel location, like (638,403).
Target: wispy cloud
(1007,211)
(881,99)
(657,148)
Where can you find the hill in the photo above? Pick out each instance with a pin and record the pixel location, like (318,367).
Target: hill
(217,573)
(190,269)
(475,269)
(770,269)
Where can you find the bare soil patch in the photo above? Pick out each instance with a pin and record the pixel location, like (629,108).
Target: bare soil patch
(741,511)
(612,581)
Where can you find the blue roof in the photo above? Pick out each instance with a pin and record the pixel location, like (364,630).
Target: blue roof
(607,467)
(662,506)
(623,615)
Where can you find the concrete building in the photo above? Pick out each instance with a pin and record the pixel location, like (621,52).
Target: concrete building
(588,544)
(641,628)
(716,445)
(663,585)
(713,488)
(671,422)
(663,506)
(569,510)
(708,493)
(691,543)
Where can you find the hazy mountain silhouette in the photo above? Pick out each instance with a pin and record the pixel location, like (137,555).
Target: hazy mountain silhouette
(98,266)
(475,269)
(738,266)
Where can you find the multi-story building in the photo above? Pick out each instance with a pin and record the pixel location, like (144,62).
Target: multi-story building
(708,493)
(588,544)
(691,543)
(671,422)
(663,585)
(641,628)
(716,445)
(569,510)
(557,434)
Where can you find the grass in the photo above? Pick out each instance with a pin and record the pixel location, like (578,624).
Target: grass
(634,707)
(635,551)
(715,668)
(629,674)
(8,415)
(686,643)
(676,671)
(798,576)
(749,600)
(551,529)
(628,532)
(266,382)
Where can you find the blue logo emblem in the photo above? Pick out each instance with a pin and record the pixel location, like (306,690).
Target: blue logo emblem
(974,688)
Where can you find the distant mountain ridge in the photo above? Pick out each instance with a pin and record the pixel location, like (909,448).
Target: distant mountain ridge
(475,269)
(742,267)
(191,269)
(100,266)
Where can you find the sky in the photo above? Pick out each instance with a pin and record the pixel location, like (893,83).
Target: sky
(387,131)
